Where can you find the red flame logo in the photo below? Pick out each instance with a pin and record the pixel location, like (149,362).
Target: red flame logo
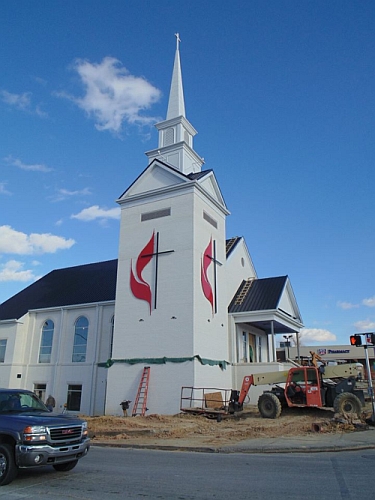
(206,285)
(139,287)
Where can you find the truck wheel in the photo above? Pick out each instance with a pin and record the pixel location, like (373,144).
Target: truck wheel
(269,405)
(346,402)
(65,467)
(8,469)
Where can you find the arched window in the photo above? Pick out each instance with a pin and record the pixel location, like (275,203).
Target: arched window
(80,340)
(46,342)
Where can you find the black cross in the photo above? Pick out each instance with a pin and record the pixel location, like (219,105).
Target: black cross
(156,254)
(216,263)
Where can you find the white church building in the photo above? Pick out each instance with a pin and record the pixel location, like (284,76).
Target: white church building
(182,298)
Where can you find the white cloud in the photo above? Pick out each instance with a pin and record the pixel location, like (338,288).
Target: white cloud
(36,167)
(13,271)
(365,325)
(320,335)
(3,189)
(112,95)
(19,101)
(12,241)
(63,194)
(370,302)
(95,212)
(22,102)
(346,305)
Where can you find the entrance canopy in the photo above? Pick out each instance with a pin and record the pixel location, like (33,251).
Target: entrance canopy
(268,305)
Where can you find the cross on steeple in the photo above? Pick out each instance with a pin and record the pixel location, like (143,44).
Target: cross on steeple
(178,40)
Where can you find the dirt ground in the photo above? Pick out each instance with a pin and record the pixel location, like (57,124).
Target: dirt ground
(197,430)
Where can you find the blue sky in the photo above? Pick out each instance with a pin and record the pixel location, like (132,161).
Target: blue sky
(281,93)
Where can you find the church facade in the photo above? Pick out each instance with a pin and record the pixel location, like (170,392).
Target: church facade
(182,298)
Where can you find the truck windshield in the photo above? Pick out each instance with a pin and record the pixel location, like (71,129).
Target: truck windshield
(20,402)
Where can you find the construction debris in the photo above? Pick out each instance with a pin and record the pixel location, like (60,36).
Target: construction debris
(341,422)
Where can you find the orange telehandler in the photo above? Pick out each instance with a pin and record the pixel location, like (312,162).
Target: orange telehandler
(305,386)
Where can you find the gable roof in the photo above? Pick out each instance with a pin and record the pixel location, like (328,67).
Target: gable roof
(160,178)
(89,283)
(231,244)
(258,295)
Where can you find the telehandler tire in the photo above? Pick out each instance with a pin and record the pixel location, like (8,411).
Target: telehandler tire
(346,402)
(269,405)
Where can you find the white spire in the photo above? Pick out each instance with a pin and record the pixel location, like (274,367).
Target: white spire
(176,133)
(176,104)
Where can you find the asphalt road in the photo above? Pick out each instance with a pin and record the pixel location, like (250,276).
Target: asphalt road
(111,473)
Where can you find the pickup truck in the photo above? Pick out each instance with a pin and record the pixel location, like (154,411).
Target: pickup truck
(31,436)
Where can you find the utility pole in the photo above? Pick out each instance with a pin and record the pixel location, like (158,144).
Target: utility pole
(287,338)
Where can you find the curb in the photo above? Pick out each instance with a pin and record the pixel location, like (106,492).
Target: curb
(239,449)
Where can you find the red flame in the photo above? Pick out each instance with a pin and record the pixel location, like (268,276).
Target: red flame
(139,287)
(206,285)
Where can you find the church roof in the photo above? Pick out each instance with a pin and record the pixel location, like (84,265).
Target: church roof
(258,295)
(231,245)
(89,283)
(92,283)
(198,175)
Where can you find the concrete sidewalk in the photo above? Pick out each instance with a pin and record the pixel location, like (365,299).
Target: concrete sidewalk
(315,442)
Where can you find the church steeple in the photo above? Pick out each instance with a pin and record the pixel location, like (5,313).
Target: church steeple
(176,104)
(176,132)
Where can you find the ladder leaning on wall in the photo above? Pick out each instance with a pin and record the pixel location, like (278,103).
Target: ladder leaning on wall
(140,402)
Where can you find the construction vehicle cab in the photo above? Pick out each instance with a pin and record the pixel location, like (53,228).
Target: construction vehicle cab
(304,386)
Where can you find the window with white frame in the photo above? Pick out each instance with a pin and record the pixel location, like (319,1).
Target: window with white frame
(46,342)
(40,391)
(3,347)
(247,348)
(81,329)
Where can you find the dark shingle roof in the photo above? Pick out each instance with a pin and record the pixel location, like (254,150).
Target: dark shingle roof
(258,295)
(63,287)
(231,244)
(198,175)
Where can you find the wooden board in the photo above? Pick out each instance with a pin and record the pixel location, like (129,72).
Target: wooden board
(213,400)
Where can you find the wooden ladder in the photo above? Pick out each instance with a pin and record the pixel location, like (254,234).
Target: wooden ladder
(140,402)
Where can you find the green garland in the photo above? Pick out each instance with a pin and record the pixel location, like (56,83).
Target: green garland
(162,361)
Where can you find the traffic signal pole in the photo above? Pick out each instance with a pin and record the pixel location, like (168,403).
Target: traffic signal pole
(371,420)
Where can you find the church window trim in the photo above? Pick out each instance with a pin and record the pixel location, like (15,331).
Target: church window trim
(3,347)
(45,349)
(156,214)
(209,219)
(81,328)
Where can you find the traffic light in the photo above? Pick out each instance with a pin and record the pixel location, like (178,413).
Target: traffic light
(355,340)
(370,338)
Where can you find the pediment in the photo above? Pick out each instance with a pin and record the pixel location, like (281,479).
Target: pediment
(211,186)
(156,176)
(288,303)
